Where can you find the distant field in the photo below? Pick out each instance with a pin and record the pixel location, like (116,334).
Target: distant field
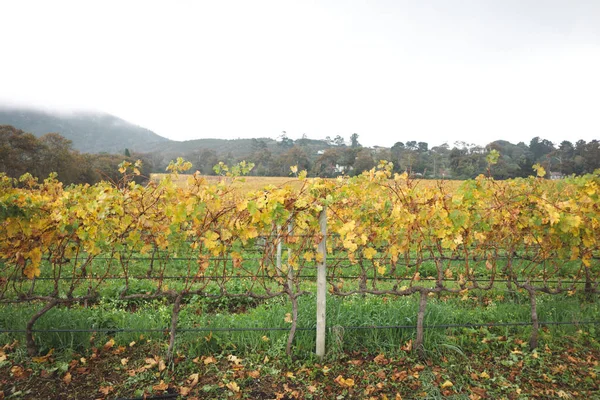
(249,183)
(259,182)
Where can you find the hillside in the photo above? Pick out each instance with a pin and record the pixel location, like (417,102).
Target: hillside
(90,132)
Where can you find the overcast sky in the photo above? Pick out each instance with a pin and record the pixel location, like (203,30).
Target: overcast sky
(435,71)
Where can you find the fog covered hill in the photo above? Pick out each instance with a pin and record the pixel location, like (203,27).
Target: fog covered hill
(90,132)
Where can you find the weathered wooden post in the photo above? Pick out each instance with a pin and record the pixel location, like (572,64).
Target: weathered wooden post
(322,285)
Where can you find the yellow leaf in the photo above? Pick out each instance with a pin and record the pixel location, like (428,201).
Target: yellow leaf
(541,172)
(447,385)
(108,345)
(308,256)
(43,358)
(484,375)
(381,270)
(369,253)
(234,359)
(124,361)
(233,387)
(67,378)
(288,318)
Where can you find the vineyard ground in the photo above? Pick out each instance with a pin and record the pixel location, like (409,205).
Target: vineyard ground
(489,362)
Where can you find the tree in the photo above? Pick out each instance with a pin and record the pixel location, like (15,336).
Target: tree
(339,141)
(354,141)
(363,161)
(285,141)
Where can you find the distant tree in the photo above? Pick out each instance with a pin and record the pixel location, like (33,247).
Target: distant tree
(354,140)
(363,162)
(205,160)
(285,141)
(294,156)
(127,153)
(540,148)
(339,141)
(325,166)
(20,152)
(58,156)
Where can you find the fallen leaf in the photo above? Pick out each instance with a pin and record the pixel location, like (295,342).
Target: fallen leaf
(234,359)
(150,363)
(108,345)
(254,374)
(17,371)
(407,346)
(233,387)
(484,375)
(2,356)
(67,378)
(447,385)
(346,383)
(43,358)
(161,387)
(124,361)
(161,366)
(193,380)
(105,390)
(209,360)
(288,318)
(380,359)
(45,374)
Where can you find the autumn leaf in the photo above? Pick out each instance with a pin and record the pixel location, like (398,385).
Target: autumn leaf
(161,387)
(17,372)
(105,390)
(108,345)
(209,360)
(345,383)
(67,378)
(43,359)
(447,384)
(124,361)
(233,387)
(288,318)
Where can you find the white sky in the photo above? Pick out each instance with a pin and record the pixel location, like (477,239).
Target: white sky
(435,71)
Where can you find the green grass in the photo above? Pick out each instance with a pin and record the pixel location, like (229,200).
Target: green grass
(353,311)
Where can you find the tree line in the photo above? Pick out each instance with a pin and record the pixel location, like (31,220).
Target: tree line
(22,152)
(334,157)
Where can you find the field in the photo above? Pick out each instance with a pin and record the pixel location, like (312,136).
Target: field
(208,289)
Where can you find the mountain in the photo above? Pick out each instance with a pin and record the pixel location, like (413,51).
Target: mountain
(90,132)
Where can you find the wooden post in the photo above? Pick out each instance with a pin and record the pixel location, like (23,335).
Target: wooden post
(322,285)
(279,249)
